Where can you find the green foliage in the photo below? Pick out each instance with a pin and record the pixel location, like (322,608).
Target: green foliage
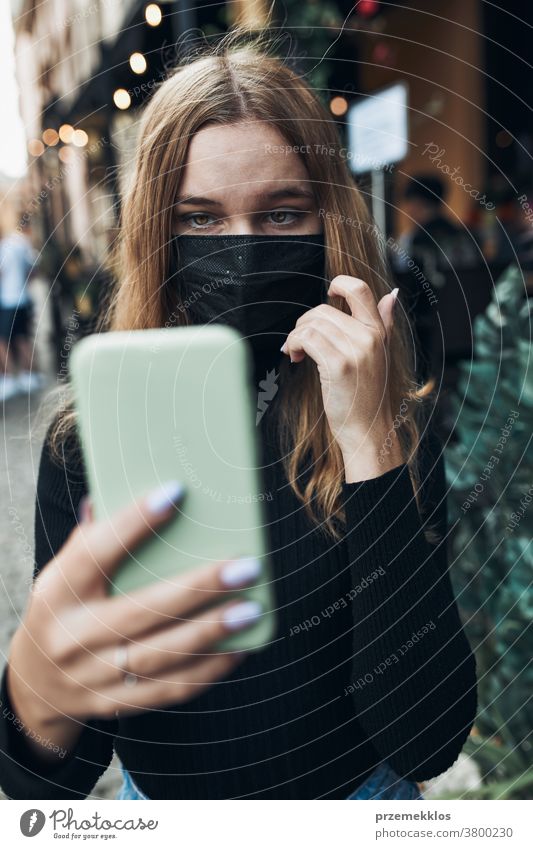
(490,479)
(314,26)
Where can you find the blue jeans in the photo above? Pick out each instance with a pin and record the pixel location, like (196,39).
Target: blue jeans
(382,783)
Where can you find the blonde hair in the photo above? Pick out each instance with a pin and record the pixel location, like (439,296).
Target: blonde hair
(231,82)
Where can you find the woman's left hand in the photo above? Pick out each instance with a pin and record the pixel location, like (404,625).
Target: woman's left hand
(352,356)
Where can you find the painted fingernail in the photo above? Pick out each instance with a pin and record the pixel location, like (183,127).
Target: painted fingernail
(239,572)
(283,348)
(240,615)
(394,294)
(160,499)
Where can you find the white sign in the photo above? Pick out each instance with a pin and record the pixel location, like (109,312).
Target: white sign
(377,129)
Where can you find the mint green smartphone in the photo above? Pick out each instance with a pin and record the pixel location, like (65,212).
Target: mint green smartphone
(176,403)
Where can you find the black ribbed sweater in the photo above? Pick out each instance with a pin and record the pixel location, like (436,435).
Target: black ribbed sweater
(370,661)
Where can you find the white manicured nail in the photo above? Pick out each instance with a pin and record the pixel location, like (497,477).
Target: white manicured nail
(242,614)
(240,572)
(160,499)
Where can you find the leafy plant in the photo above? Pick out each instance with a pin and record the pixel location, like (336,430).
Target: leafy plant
(489,471)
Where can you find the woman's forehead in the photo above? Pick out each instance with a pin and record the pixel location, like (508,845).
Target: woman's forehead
(251,158)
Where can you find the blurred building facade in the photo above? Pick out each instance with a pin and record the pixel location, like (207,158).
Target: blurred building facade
(85,67)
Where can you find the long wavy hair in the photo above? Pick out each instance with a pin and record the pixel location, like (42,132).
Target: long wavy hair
(230,82)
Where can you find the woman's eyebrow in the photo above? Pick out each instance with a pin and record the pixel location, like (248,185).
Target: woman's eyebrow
(289,191)
(198,200)
(276,194)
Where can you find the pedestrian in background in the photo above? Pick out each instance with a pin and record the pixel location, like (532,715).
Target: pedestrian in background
(17,356)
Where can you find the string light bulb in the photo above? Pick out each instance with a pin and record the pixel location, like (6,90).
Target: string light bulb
(153,15)
(66,132)
(121,98)
(80,138)
(137,63)
(35,147)
(50,137)
(338,105)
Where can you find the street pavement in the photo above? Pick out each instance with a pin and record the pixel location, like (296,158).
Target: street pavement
(22,436)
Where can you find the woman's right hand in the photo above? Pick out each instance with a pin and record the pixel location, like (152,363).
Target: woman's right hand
(62,663)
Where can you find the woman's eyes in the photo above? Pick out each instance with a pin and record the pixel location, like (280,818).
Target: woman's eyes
(193,219)
(277,217)
(284,213)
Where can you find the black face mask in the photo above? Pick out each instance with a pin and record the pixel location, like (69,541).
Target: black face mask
(260,285)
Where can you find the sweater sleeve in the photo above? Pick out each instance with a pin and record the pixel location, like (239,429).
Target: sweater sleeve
(59,490)
(414,674)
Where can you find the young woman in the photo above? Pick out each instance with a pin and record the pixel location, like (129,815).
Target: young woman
(241,209)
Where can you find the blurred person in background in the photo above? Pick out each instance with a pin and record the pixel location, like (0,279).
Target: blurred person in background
(17,356)
(433,241)
(433,250)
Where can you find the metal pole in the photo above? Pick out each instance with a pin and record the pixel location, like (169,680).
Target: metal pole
(379,209)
